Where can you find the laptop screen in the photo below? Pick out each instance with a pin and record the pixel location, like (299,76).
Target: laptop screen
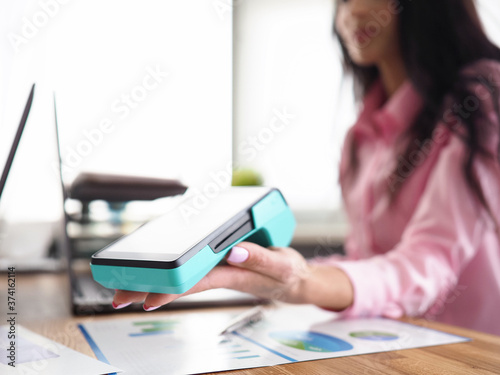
(17,139)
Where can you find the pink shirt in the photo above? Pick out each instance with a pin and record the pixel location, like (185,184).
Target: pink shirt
(435,252)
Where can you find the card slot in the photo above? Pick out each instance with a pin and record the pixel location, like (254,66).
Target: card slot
(241,227)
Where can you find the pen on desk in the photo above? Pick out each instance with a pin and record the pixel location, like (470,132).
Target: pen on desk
(248,317)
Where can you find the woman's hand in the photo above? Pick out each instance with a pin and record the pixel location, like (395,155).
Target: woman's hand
(277,273)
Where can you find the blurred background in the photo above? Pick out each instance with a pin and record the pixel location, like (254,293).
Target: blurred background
(180,90)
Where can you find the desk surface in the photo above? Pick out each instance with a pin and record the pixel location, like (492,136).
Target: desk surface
(43,306)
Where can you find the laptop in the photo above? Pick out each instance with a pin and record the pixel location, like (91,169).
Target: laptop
(89,297)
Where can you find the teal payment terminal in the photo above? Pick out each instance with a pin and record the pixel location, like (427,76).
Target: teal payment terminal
(172,253)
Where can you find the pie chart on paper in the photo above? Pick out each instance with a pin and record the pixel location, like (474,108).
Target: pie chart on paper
(310,341)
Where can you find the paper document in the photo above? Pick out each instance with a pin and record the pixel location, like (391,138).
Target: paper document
(189,343)
(29,353)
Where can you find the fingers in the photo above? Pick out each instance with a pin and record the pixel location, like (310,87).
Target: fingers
(281,264)
(240,279)
(156,300)
(248,281)
(152,301)
(124,298)
(220,277)
(253,269)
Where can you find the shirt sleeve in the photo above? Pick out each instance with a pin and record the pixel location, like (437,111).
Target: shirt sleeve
(415,277)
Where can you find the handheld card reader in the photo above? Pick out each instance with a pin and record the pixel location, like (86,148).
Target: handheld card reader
(172,253)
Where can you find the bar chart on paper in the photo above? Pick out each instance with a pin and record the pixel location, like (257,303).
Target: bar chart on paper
(154,327)
(155,346)
(374,335)
(286,334)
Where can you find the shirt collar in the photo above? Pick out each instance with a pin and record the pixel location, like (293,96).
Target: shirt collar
(387,119)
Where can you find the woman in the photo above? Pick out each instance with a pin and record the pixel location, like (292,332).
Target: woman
(420,176)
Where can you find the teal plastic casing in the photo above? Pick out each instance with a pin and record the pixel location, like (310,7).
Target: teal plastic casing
(271,224)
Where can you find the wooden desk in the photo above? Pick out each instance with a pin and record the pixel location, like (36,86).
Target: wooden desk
(42,302)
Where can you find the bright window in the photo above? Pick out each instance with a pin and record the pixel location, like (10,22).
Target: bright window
(287,61)
(142,87)
(162,71)
(290,112)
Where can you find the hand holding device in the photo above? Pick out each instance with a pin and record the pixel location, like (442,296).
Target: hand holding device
(277,273)
(172,253)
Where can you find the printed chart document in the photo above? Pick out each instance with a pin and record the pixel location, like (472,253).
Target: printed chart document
(35,354)
(189,343)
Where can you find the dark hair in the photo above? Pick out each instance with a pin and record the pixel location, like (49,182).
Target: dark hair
(438,40)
